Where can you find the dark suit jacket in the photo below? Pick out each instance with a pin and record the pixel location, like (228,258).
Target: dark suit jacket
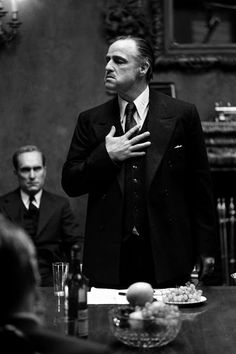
(57,229)
(178,189)
(43,340)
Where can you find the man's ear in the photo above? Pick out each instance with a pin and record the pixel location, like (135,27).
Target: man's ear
(144,67)
(15,172)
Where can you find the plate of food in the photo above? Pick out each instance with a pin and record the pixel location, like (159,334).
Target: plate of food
(182,296)
(187,303)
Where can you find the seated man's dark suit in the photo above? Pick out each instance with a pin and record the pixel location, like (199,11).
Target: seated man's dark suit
(56,228)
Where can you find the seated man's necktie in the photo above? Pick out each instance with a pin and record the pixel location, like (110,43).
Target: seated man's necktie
(32,206)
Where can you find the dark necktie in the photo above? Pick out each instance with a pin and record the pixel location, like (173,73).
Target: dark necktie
(32,207)
(129,111)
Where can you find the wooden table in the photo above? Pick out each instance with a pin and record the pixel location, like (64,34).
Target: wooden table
(208,328)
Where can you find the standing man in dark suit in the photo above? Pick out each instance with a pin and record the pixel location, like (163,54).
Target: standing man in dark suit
(46,217)
(142,160)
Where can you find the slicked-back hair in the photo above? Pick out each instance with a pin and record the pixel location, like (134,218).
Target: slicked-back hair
(23,149)
(145,52)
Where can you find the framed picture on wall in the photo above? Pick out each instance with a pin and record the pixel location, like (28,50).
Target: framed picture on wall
(165,87)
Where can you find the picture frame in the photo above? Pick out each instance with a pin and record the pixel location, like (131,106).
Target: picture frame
(170,53)
(167,88)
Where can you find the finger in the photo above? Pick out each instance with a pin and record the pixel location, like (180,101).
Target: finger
(133,130)
(137,154)
(140,146)
(139,137)
(112,131)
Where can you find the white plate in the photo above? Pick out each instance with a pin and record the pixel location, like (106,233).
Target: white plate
(201,301)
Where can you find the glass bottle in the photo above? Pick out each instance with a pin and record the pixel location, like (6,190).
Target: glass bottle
(76,306)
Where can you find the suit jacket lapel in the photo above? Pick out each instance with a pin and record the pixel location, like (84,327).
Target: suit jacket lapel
(13,206)
(119,132)
(162,125)
(103,126)
(110,116)
(159,122)
(46,210)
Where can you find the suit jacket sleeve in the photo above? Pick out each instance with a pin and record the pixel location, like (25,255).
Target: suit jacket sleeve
(202,200)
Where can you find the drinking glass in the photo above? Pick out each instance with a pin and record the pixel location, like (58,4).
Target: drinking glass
(60,272)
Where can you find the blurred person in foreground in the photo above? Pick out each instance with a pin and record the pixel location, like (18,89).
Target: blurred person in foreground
(21,328)
(45,216)
(141,158)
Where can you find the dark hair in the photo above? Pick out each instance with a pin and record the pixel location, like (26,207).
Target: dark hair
(18,267)
(145,51)
(26,148)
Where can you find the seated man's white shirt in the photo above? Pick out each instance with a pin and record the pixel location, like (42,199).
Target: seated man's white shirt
(36,201)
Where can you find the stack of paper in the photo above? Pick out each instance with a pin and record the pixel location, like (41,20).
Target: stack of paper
(106,296)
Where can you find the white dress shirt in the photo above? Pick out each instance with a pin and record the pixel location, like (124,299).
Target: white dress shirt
(26,201)
(141,104)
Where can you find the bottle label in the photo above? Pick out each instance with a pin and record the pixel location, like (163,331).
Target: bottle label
(82,323)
